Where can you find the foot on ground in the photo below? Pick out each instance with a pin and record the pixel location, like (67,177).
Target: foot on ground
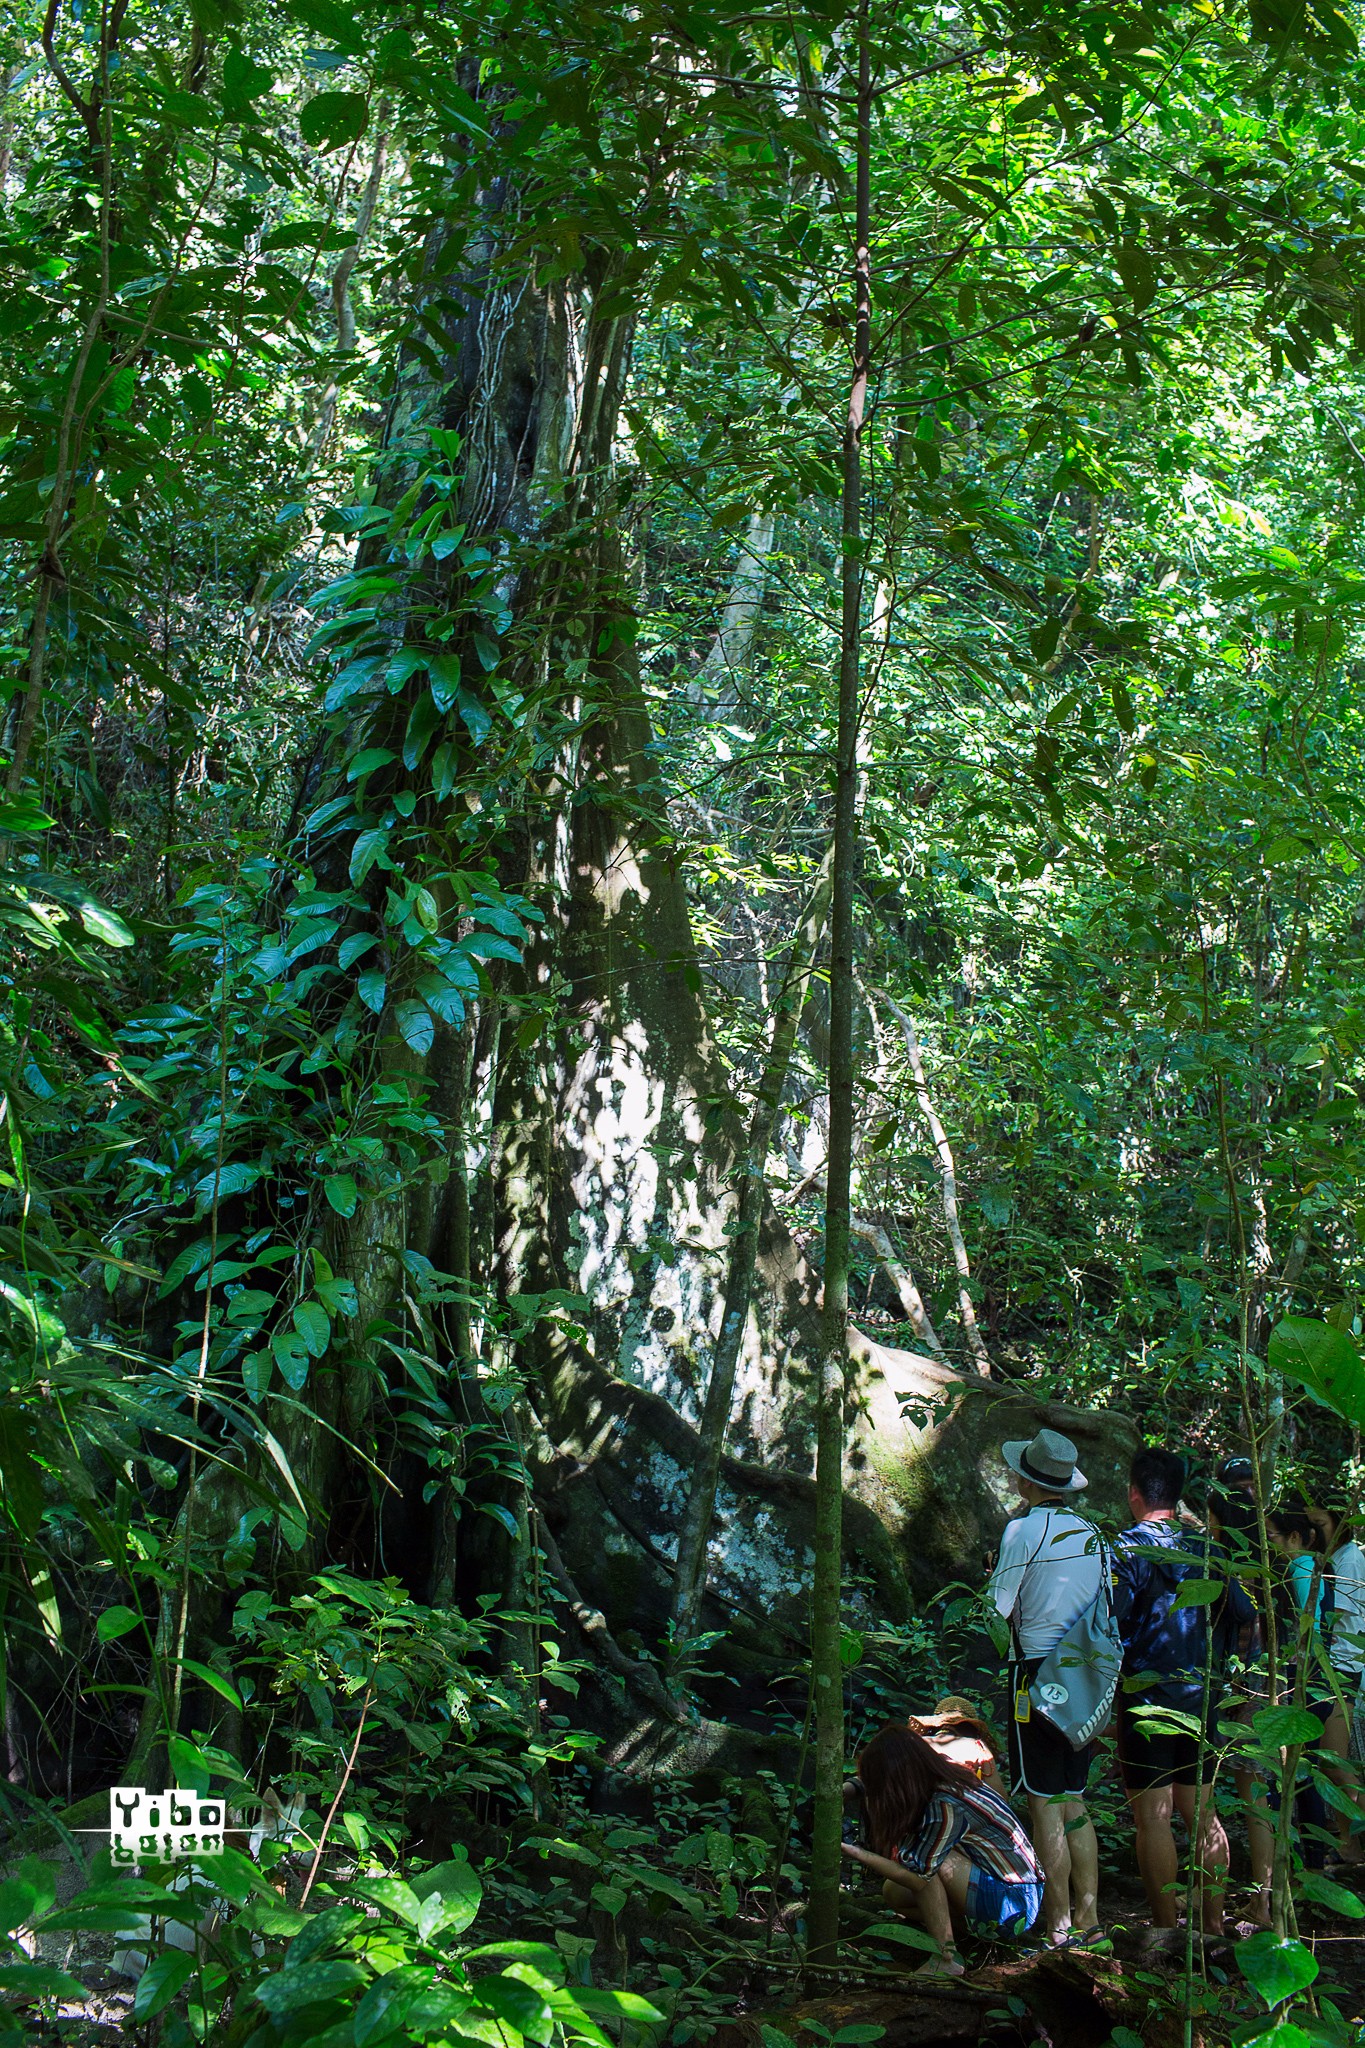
(1093,1938)
(949,1965)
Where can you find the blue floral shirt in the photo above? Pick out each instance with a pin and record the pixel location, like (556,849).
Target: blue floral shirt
(1165,1647)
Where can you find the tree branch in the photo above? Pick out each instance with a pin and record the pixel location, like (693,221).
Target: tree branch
(910,1298)
(948,1175)
(642,1679)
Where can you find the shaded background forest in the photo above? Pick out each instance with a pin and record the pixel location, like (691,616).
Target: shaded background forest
(421,569)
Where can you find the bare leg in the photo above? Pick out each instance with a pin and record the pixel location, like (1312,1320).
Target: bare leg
(1156,1857)
(930,1900)
(1085,1866)
(1260,1841)
(1047,1820)
(1209,1843)
(1336,1742)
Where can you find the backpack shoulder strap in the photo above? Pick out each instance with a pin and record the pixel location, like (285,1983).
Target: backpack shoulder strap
(1104,1597)
(1014,1630)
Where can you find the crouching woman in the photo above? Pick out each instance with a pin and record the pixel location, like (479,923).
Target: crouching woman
(952,1853)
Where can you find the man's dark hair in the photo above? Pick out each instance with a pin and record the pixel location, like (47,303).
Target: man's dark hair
(1159,1477)
(1236,1514)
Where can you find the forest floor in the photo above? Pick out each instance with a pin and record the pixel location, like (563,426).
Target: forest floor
(1066,1998)
(1032,1998)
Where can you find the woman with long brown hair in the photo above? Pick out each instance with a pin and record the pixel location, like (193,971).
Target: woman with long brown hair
(952,1854)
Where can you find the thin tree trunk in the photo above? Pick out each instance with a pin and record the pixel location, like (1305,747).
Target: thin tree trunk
(948,1174)
(7,78)
(51,574)
(341,303)
(739,621)
(826,1590)
(911,1299)
(690,1582)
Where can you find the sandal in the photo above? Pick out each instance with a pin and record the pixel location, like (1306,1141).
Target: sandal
(1093,1938)
(949,1965)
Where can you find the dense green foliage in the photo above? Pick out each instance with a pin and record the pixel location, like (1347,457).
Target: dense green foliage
(299,663)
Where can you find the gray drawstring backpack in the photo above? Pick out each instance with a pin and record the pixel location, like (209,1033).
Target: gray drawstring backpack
(1075,1684)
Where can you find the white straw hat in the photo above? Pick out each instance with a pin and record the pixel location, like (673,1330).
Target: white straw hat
(1050,1461)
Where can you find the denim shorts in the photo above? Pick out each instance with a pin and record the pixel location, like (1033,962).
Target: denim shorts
(998,1909)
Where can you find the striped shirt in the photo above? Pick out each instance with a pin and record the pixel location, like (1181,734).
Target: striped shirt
(977,1821)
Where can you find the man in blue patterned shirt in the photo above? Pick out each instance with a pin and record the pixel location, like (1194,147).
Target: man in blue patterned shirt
(1164,1748)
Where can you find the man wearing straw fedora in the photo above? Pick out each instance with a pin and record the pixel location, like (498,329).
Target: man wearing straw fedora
(1048,1575)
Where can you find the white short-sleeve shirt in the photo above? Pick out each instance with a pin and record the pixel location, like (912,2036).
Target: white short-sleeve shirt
(1047,1576)
(1348,1618)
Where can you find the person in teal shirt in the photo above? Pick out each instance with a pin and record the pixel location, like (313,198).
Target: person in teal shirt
(1300,1543)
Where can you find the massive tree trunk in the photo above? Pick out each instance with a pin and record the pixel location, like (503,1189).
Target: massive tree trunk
(595,1159)
(605,1205)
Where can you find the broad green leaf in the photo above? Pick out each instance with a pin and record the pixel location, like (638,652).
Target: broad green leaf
(458,1888)
(292,1990)
(366,851)
(1278,1727)
(256,1370)
(424,721)
(539,1952)
(1274,1967)
(314,1325)
(439,2007)
(99,921)
(116,1622)
(342,1193)
(1138,272)
(291,1356)
(489,946)
(626,2005)
(1325,1360)
(244,80)
(389,2001)
(160,1981)
(214,1680)
(442,998)
(338,1297)
(444,670)
(909,1937)
(1198,1592)
(393,1895)
(477,721)
(516,2005)
(1336,1897)
(23,813)
(415,1023)
(331,118)
(40,1980)
(21,1902)
(1043,639)
(233,1179)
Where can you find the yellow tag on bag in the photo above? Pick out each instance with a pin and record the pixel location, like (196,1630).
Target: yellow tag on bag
(1023,1705)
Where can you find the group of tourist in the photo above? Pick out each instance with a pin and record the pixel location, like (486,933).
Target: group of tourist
(1200,1635)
